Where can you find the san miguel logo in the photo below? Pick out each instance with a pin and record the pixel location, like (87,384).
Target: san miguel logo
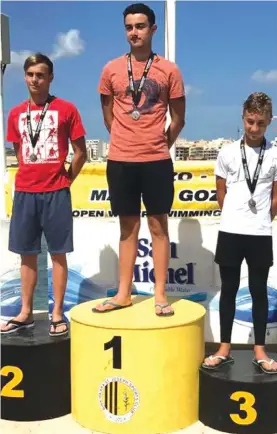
(144,272)
(119,399)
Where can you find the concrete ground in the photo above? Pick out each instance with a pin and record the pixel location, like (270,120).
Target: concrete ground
(66,425)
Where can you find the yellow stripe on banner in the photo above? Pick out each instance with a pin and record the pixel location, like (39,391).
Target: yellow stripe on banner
(194,190)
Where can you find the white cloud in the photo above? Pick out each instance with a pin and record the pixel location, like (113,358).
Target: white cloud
(18,58)
(192,90)
(265,77)
(67,45)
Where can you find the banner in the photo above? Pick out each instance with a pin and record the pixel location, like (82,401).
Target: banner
(192,273)
(93,266)
(194,182)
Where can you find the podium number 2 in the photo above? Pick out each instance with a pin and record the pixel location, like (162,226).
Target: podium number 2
(8,390)
(115,344)
(247,406)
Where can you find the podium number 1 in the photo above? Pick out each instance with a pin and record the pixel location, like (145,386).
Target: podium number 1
(115,344)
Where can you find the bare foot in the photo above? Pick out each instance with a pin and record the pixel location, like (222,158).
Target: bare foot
(22,317)
(118,300)
(261,355)
(162,306)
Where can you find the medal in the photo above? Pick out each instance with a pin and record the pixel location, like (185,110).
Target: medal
(33,158)
(136,92)
(135,115)
(252,203)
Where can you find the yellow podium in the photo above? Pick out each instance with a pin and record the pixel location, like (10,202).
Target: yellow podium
(133,372)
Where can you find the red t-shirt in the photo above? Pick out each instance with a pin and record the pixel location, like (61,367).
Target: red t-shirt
(61,123)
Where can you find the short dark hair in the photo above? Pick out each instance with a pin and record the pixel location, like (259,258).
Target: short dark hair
(37,58)
(258,102)
(140,8)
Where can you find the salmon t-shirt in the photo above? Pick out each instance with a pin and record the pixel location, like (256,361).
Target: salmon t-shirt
(143,139)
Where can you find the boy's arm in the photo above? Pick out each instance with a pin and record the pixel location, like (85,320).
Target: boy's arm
(78,143)
(79,158)
(177,107)
(107,109)
(274,200)
(221,172)
(13,134)
(220,190)
(105,89)
(16,147)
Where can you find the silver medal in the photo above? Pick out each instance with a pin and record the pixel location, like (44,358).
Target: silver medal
(33,158)
(135,115)
(252,203)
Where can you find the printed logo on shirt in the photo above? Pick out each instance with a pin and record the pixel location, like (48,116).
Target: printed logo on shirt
(150,95)
(46,149)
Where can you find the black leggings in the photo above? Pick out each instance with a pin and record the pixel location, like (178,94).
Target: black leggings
(230,278)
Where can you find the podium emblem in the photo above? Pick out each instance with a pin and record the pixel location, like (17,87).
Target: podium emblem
(119,399)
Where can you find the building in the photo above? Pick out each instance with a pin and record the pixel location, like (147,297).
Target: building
(210,153)
(96,150)
(182,149)
(196,152)
(199,149)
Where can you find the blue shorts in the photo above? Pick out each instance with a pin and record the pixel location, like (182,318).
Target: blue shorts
(36,213)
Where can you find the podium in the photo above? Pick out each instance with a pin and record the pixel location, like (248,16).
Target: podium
(133,372)
(35,374)
(238,398)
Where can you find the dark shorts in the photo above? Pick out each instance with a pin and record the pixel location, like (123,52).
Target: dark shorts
(232,249)
(152,181)
(34,213)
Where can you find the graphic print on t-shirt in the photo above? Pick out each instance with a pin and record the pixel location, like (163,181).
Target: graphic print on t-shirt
(150,95)
(46,149)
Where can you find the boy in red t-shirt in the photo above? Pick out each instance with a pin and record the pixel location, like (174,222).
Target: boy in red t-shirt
(40,129)
(136,91)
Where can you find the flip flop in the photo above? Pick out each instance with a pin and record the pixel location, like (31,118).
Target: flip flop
(115,305)
(17,325)
(56,324)
(223,361)
(259,364)
(162,306)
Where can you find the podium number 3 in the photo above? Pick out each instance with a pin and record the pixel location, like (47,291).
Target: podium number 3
(115,344)
(8,390)
(247,406)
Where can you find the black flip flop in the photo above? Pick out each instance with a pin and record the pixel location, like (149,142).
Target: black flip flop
(223,361)
(17,325)
(56,324)
(260,366)
(115,305)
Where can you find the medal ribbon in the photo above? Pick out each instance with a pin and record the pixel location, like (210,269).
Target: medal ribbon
(252,184)
(136,94)
(34,138)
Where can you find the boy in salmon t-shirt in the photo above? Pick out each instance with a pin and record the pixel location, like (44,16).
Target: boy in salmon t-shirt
(40,129)
(136,91)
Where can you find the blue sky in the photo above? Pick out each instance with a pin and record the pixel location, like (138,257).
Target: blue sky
(225,50)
